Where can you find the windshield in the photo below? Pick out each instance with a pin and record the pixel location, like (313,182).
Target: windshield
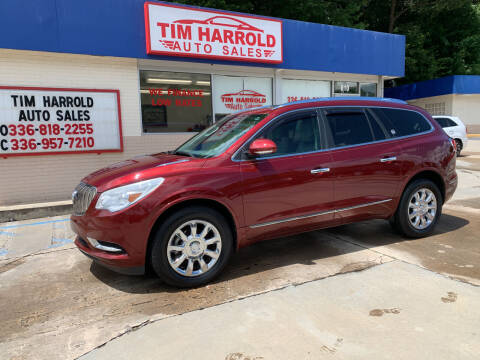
(217,138)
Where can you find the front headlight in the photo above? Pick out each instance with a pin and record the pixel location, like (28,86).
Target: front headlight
(119,198)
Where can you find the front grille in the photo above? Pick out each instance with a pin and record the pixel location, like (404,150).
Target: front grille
(82,197)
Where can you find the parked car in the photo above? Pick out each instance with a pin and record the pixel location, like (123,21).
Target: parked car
(262,174)
(455,128)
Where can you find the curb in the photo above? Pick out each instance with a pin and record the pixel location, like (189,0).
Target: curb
(34,211)
(473,136)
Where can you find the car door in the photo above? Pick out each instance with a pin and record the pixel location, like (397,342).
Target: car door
(292,189)
(366,171)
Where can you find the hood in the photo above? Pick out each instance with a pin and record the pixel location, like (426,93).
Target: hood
(140,168)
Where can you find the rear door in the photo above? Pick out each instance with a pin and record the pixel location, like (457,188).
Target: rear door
(291,190)
(365,166)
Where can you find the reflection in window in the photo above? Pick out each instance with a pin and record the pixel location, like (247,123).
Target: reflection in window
(345,87)
(368,89)
(295,136)
(175,102)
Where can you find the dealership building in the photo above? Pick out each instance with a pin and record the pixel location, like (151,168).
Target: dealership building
(84,84)
(457,95)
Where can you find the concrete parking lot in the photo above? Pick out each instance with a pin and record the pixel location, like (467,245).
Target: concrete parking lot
(357,291)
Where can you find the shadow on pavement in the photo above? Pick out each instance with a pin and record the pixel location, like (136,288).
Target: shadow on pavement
(307,249)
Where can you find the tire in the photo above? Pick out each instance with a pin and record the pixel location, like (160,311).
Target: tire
(407,208)
(193,249)
(459,145)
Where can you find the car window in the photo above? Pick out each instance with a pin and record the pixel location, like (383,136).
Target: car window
(400,122)
(348,127)
(378,129)
(295,134)
(445,122)
(217,138)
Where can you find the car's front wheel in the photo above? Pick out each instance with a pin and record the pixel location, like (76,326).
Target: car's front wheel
(191,247)
(419,209)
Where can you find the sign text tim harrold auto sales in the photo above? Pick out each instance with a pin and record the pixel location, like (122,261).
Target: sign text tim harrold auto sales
(184,31)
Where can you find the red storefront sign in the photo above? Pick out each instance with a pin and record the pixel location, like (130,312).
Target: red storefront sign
(184,31)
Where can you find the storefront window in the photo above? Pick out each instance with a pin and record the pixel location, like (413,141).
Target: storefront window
(236,93)
(175,102)
(346,88)
(295,90)
(368,89)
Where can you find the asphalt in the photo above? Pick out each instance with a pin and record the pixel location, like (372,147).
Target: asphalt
(356,291)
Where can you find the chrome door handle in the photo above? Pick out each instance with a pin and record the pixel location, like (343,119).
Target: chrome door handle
(388,159)
(322,170)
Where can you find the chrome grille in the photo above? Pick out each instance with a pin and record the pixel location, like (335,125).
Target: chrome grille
(82,197)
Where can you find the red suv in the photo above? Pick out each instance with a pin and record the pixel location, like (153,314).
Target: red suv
(262,174)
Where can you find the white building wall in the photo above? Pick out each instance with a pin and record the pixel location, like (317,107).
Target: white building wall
(443,102)
(466,107)
(30,179)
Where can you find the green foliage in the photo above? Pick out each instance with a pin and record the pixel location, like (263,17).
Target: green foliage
(442,36)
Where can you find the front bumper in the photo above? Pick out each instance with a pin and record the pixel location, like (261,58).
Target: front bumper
(125,230)
(117,263)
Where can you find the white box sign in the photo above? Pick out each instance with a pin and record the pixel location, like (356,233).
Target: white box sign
(235,93)
(37,121)
(296,90)
(186,31)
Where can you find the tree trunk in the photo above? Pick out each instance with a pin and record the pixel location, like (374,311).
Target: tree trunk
(391,23)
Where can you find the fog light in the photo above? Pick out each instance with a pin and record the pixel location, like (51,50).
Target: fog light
(108,248)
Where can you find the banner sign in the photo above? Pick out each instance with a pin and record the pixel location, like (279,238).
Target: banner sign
(184,31)
(41,121)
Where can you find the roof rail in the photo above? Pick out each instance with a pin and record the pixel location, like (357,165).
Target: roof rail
(343,98)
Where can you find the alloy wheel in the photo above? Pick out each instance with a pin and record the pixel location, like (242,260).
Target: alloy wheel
(422,208)
(194,248)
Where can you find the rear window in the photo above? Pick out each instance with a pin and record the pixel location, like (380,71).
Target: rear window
(400,122)
(445,122)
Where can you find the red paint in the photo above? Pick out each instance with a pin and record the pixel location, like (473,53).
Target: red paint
(262,146)
(117,93)
(258,191)
(233,37)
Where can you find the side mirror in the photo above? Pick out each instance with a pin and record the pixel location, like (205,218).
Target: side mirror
(262,147)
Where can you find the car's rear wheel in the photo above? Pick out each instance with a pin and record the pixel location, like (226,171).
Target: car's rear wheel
(419,209)
(459,146)
(191,247)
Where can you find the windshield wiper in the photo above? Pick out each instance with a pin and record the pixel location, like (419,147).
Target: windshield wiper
(183,153)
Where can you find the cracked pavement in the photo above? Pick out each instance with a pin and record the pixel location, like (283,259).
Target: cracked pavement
(358,290)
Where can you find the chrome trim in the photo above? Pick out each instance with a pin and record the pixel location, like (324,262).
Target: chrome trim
(432,128)
(291,219)
(173,162)
(99,246)
(388,159)
(318,214)
(82,198)
(322,170)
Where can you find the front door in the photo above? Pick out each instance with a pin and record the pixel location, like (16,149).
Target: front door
(292,189)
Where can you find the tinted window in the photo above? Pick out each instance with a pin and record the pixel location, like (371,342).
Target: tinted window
(402,122)
(348,127)
(295,135)
(379,132)
(445,122)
